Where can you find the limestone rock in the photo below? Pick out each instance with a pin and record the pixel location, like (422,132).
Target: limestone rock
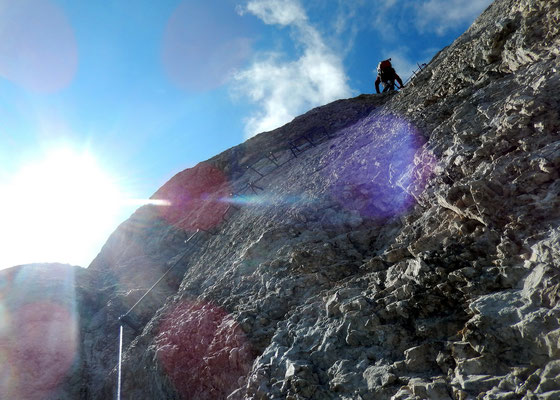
(403,246)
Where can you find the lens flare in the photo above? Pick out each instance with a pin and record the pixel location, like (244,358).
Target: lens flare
(195,197)
(39,333)
(267,200)
(203,351)
(148,202)
(203,43)
(38,49)
(58,208)
(43,347)
(381,167)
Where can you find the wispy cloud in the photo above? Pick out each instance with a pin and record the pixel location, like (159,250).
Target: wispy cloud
(441,16)
(348,15)
(393,17)
(282,85)
(274,12)
(284,88)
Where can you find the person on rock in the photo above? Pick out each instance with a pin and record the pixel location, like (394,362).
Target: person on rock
(386,74)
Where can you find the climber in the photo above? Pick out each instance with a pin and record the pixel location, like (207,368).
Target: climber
(387,75)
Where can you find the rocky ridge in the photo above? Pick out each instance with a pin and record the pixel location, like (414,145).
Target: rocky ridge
(401,246)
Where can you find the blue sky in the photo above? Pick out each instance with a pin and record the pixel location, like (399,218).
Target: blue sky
(146,89)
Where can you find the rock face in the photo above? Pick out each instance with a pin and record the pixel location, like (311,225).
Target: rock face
(39,338)
(400,246)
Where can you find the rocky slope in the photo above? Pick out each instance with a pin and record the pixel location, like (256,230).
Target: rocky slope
(38,329)
(401,246)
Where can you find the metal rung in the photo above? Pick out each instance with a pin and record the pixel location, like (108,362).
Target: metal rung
(306,137)
(253,187)
(293,149)
(253,169)
(273,158)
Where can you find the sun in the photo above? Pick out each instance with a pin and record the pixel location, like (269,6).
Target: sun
(58,209)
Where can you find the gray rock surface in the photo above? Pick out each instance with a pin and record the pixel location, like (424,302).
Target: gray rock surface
(39,331)
(400,246)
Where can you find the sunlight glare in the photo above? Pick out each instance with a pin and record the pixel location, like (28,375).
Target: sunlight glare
(59,209)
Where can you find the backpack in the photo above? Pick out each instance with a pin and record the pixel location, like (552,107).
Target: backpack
(385,70)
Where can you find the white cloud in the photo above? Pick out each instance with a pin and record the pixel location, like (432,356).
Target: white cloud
(442,15)
(284,88)
(274,12)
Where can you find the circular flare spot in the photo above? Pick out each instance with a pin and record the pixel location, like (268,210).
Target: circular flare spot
(203,351)
(38,49)
(41,345)
(38,330)
(195,197)
(381,168)
(203,43)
